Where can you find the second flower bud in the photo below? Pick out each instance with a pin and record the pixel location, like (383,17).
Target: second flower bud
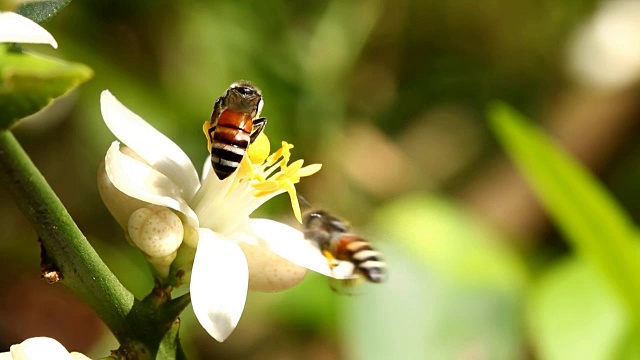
(155,230)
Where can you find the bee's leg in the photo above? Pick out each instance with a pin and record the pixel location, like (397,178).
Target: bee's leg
(217,109)
(336,286)
(331,260)
(348,287)
(258,126)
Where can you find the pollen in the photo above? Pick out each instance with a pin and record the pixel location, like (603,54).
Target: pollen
(274,174)
(259,150)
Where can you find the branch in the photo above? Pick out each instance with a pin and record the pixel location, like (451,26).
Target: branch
(83,270)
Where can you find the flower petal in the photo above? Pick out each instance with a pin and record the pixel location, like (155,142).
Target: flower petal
(79,356)
(290,244)
(219,282)
(206,169)
(141,181)
(155,148)
(119,204)
(15,28)
(269,272)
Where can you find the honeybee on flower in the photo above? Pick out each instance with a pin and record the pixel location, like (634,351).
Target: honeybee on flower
(199,230)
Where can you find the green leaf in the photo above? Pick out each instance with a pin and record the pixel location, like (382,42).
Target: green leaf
(397,317)
(451,241)
(574,314)
(629,348)
(41,11)
(170,344)
(310,305)
(454,289)
(584,211)
(29,82)
(424,315)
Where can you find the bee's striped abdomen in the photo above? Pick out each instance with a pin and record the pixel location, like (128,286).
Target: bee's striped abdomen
(229,142)
(366,260)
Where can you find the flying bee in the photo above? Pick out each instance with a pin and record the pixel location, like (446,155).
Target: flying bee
(337,244)
(233,126)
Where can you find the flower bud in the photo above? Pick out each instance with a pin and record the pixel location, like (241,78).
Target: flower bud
(162,265)
(269,272)
(40,348)
(180,272)
(156,230)
(191,237)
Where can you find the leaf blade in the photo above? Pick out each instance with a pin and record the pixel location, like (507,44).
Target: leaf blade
(28,83)
(41,11)
(593,222)
(570,300)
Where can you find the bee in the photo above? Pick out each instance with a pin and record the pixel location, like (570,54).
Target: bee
(233,126)
(337,243)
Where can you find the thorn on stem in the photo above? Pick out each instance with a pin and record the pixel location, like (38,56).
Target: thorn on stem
(48,270)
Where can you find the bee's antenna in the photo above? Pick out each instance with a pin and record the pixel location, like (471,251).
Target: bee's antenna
(303,201)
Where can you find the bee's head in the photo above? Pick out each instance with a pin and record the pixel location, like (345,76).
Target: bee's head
(244,97)
(320,220)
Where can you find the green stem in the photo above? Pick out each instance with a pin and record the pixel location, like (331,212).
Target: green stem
(140,326)
(131,321)
(172,309)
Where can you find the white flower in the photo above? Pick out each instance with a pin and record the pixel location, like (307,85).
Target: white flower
(232,251)
(40,348)
(15,28)
(605,52)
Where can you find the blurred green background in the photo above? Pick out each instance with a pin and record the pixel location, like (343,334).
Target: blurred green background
(391,97)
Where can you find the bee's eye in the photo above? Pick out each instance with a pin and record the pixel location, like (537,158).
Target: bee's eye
(245,90)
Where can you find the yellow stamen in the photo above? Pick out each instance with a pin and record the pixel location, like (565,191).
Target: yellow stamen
(294,167)
(309,170)
(294,200)
(286,154)
(273,158)
(246,169)
(267,186)
(273,173)
(259,150)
